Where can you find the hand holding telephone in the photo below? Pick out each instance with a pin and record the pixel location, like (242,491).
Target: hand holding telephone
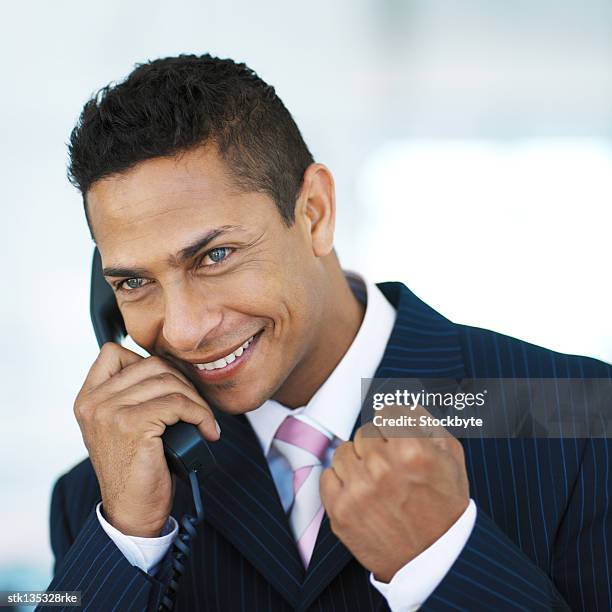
(184,447)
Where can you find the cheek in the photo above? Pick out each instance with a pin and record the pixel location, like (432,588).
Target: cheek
(260,295)
(280,301)
(143,324)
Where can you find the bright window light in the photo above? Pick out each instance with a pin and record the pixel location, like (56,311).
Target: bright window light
(514,236)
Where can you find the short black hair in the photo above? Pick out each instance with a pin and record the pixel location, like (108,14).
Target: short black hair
(171,105)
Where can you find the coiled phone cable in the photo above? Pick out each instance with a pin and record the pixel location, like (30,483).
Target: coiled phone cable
(182,546)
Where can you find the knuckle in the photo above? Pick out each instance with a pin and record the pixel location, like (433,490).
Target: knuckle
(98,417)
(367,431)
(157,362)
(177,399)
(359,490)
(109,348)
(342,451)
(454,448)
(425,465)
(83,409)
(377,466)
(422,464)
(410,451)
(340,448)
(206,414)
(79,409)
(165,378)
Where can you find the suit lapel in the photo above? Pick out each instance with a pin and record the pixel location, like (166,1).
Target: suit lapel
(242,503)
(422,344)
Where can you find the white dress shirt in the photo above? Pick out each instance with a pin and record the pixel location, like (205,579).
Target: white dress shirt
(333,409)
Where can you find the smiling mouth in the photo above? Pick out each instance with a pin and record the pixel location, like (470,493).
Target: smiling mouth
(229,361)
(224,361)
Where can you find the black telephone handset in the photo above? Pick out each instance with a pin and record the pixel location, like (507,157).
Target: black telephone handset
(187,452)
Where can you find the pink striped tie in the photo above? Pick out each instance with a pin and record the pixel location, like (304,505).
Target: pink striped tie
(304,448)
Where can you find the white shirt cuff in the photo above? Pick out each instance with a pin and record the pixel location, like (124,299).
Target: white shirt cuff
(417,580)
(144,553)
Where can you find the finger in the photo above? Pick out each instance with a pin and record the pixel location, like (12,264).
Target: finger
(110,361)
(426,429)
(159,385)
(344,461)
(155,415)
(139,371)
(329,487)
(368,436)
(451,447)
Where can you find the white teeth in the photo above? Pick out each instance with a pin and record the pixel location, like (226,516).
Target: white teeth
(221,363)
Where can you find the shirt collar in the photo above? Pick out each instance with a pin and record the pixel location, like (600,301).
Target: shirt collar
(336,404)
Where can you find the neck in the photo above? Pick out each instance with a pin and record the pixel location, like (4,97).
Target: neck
(343,317)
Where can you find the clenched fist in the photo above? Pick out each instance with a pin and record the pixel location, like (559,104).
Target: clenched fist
(123,408)
(389,498)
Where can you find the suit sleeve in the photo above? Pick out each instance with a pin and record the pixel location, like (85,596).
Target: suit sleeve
(582,561)
(493,573)
(91,563)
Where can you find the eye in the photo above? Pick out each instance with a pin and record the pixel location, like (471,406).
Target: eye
(131,284)
(217,255)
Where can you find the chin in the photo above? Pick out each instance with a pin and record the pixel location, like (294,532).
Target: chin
(234,409)
(231,401)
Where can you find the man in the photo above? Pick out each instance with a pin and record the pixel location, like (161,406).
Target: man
(215,228)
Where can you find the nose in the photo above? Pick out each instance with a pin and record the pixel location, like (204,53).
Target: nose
(188,317)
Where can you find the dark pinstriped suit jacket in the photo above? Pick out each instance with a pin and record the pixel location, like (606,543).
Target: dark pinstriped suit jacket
(542,539)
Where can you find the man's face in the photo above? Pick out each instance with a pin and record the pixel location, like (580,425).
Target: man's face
(199,269)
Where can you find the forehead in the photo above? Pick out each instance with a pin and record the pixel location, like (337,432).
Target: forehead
(160,204)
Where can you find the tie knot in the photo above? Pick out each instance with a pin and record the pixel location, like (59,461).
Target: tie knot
(301,443)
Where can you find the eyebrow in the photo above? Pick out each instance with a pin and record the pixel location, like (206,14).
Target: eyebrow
(185,254)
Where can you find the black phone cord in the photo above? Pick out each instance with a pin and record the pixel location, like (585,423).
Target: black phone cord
(181,548)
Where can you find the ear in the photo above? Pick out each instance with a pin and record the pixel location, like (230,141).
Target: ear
(316,208)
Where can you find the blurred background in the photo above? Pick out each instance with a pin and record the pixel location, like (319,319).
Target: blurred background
(470,141)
